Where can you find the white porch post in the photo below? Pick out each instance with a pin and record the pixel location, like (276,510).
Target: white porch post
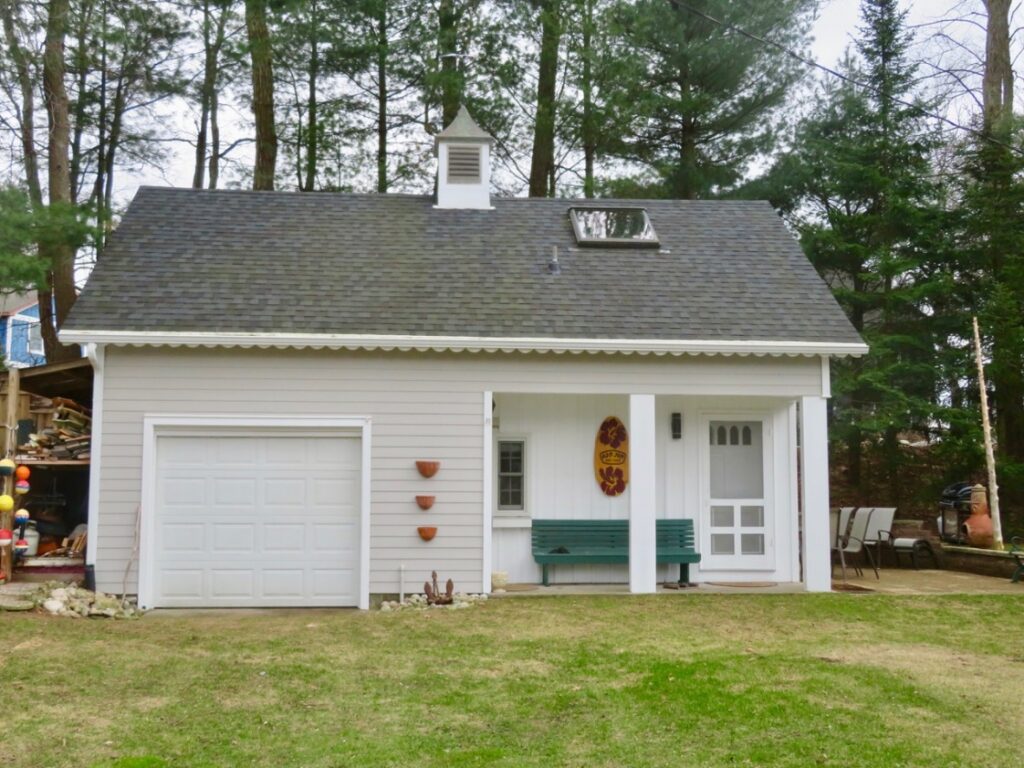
(814,486)
(643,564)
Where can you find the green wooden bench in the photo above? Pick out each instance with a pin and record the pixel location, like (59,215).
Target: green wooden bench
(607,541)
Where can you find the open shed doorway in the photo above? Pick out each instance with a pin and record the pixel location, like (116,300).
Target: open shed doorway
(48,417)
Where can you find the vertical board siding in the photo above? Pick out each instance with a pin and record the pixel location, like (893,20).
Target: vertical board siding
(423,406)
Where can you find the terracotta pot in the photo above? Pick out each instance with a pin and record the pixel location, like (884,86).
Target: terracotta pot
(425,502)
(427,532)
(428,468)
(978,526)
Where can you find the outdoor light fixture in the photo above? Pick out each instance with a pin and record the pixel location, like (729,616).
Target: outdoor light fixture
(677,426)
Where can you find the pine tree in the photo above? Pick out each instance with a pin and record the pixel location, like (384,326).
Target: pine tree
(691,102)
(860,189)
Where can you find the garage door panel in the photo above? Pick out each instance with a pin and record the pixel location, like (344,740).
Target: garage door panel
(233,538)
(181,582)
(281,582)
(284,490)
(233,582)
(235,491)
(260,520)
(182,537)
(333,582)
(337,538)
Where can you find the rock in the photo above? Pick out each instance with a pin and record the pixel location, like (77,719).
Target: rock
(53,606)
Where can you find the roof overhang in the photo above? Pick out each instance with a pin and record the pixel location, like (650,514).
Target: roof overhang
(462,343)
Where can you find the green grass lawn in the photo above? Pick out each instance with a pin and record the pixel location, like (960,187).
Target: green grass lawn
(688,680)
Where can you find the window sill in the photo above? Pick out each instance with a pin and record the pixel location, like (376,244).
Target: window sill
(511,522)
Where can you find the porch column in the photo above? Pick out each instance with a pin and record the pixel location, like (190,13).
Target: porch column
(643,560)
(814,490)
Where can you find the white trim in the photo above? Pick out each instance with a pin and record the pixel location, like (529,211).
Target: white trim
(95,353)
(792,464)
(155,424)
(643,479)
(814,479)
(512,522)
(488,456)
(826,377)
(461,343)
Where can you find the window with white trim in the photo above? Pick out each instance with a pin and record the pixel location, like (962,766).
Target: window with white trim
(35,339)
(511,475)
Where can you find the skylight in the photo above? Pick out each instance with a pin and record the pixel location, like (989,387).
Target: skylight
(611,227)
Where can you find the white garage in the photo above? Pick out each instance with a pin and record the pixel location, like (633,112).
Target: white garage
(254,513)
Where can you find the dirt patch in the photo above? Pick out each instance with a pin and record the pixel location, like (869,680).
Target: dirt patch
(993,682)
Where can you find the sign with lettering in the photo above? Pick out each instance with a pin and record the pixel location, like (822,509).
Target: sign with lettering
(611,457)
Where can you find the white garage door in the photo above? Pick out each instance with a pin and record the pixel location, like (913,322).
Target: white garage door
(247,520)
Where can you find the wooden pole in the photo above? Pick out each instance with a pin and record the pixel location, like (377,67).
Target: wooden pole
(990,458)
(10,446)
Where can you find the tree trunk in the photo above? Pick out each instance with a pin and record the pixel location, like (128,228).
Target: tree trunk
(205,91)
(997,82)
(57,297)
(10,12)
(451,79)
(589,132)
(262,93)
(1007,369)
(382,98)
(214,141)
(311,117)
(542,163)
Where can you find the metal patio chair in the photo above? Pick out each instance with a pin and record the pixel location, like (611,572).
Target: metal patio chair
(879,531)
(852,543)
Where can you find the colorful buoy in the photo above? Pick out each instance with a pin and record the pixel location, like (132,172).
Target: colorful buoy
(6,503)
(21,487)
(6,537)
(6,467)
(21,546)
(21,516)
(22,472)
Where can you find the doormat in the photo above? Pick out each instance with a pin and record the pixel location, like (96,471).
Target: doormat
(841,586)
(743,583)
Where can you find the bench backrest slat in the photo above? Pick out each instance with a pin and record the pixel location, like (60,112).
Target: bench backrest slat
(610,534)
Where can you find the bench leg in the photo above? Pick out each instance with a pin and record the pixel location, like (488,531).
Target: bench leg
(1017,574)
(544,572)
(684,573)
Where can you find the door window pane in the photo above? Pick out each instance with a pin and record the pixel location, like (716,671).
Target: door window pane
(722,544)
(721,517)
(752,543)
(737,468)
(752,517)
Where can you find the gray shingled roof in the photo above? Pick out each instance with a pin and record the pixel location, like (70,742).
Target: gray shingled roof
(238,261)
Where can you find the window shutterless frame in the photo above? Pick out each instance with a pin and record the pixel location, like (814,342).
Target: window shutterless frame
(511,475)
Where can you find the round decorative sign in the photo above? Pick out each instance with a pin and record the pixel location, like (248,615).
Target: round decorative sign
(611,457)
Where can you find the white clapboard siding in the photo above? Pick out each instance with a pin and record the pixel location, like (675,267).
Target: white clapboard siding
(423,406)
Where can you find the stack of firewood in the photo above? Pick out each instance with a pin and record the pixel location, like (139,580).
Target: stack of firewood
(67,436)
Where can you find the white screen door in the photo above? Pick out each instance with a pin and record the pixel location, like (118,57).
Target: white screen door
(737,520)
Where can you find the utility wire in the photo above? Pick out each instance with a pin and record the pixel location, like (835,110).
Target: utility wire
(811,63)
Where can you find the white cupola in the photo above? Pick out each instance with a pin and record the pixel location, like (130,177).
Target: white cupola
(464,164)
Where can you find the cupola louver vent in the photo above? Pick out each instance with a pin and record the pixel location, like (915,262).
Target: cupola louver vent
(463,165)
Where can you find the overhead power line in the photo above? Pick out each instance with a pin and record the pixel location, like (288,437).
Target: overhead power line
(811,63)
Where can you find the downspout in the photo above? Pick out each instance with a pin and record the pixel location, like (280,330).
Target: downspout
(96,354)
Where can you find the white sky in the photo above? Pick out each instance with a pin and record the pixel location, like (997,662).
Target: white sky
(834,31)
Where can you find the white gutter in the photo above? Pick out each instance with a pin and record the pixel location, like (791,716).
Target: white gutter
(460,343)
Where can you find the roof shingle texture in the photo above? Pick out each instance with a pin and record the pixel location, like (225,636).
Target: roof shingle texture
(237,261)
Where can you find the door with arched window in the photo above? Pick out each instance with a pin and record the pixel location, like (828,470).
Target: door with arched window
(736,530)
